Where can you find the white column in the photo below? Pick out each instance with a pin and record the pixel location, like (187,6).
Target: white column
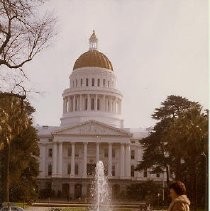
(68,104)
(128,161)
(80,102)
(97,152)
(64,102)
(139,154)
(122,160)
(73,109)
(88,102)
(110,160)
(42,160)
(115,105)
(120,106)
(112,105)
(96,98)
(60,159)
(72,159)
(85,160)
(104,105)
(110,102)
(54,167)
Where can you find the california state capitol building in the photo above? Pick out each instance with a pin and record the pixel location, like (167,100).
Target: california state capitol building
(91,129)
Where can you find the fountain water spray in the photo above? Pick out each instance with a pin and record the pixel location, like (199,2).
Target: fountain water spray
(100,190)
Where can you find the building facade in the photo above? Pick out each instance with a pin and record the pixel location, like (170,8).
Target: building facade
(91,130)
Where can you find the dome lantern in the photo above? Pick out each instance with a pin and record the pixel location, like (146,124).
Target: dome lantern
(93,41)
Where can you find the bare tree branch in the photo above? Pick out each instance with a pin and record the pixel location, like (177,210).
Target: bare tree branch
(24,32)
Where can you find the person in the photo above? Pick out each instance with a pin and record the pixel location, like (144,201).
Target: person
(180,201)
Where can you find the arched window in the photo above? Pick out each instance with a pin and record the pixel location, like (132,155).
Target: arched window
(98,82)
(86,81)
(92,103)
(81,82)
(98,104)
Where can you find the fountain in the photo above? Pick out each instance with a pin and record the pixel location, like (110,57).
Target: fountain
(100,190)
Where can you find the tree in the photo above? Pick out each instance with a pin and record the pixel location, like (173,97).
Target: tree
(19,146)
(180,133)
(156,155)
(24,32)
(188,137)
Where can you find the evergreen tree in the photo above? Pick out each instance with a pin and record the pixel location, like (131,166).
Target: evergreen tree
(178,142)
(19,149)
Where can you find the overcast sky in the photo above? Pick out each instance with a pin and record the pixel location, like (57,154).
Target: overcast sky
(157,48)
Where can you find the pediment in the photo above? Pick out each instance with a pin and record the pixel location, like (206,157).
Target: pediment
(92,128)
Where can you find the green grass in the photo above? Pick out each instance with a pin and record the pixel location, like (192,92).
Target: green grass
(21,204)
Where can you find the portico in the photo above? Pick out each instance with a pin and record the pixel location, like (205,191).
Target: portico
(109,148)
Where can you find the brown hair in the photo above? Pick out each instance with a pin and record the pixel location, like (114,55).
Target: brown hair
(178,187)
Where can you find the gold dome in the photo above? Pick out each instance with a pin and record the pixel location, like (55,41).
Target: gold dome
(93,58)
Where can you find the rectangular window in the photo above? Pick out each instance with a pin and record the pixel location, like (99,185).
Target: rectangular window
(98,82)
(76,82)
(50,139)
(76,154)
(132,154)
(86,103)
(76,169)
(104,82)
(81,82)
(108,83)
(132,171)
(50,152)
(92,103)
(69,151)
(105,153)
(86,81)
(93,82)
(113,153)
(69,169)
(98,104)
(145,172)
(50,169)
(157,175)
(113,171)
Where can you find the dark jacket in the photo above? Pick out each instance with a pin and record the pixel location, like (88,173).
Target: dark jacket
(181,203)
